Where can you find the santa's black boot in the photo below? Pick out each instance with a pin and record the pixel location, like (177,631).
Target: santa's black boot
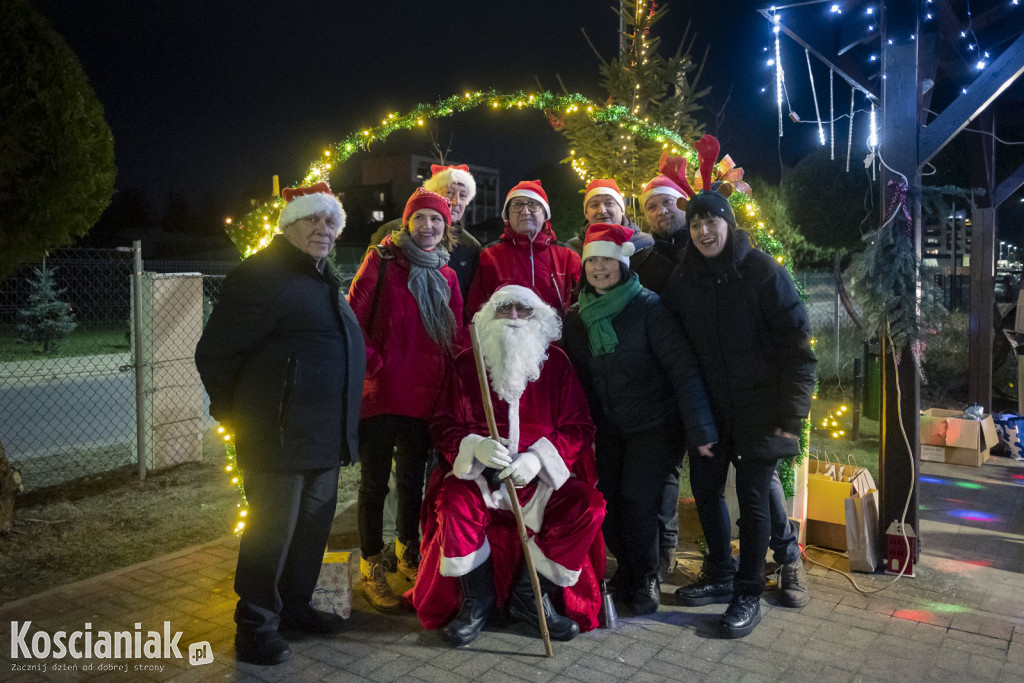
(522,607)
(477,605)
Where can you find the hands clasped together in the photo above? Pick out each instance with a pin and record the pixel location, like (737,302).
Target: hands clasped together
(521,467)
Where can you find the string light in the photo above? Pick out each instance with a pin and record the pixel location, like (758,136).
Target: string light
(236,479)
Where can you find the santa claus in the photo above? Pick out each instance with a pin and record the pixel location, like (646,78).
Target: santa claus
(472,560)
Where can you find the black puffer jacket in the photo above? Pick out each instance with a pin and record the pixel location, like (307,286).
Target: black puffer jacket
(651,380)
(283,360)
(748,326)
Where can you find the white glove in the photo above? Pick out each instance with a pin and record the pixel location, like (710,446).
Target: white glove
(492,454)
(523,469)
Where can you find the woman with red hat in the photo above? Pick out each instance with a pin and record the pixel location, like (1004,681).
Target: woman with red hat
(643,385)
(409,306)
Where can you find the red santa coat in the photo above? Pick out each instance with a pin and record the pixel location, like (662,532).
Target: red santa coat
(405,368)
(562,506)
(545,265)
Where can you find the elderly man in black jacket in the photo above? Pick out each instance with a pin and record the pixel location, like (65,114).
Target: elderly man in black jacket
(282,359)
(744,318)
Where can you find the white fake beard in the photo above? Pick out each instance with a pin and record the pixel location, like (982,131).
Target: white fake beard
(514,352)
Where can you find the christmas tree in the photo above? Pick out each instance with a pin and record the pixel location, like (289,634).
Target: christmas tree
(657,90)
(47,319)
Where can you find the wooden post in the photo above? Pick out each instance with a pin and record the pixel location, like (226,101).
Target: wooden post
(899,426)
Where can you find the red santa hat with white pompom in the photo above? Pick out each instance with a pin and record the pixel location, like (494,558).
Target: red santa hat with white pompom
(608,240)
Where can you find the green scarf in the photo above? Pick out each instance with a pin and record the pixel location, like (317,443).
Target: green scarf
(597,313)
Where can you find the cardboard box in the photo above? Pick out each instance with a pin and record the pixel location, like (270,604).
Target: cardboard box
(964,441)
(933,453)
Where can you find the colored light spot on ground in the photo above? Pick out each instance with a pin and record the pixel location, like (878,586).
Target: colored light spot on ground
(979,563)
(974,515)
(933,480)
(957,500)
(970,485)
(946,608)
(916,615)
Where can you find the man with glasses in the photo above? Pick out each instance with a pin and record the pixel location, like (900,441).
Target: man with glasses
(472,556)
(527,254)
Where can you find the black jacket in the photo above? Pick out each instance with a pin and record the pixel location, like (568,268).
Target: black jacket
(652,379)
(282,359)
(654,266)
(750,330)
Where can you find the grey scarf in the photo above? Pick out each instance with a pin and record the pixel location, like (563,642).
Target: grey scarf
(429,288)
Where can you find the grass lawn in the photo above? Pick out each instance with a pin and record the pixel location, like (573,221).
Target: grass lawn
(83,341)
(105,522)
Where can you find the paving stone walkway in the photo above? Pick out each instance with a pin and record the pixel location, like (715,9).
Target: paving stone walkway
(960,618)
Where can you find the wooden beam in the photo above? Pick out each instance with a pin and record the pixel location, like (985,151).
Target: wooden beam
(999,75)
(1008,187)
(843,71)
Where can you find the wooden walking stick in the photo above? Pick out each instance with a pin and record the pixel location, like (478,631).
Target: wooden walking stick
(517,511)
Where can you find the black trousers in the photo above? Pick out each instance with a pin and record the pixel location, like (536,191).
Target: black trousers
(282,547)
(668,516)
(631,474)
(406,440)
(754,493)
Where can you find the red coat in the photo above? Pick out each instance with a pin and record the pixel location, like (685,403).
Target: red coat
(545,265)
(405,368)
(553,407)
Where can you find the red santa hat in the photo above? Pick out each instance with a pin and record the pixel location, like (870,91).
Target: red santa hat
(443,176)
(608,240)
(425,199)
(604,186)
(528,189)
(661,184)
(307,201)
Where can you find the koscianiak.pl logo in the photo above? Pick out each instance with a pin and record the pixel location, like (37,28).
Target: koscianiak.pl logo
(133,650)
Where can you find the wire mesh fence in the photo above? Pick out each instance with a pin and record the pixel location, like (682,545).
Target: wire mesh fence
(96,362)
(89,351)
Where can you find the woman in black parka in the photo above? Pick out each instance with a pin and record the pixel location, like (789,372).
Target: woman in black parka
(744,319)
(643,385)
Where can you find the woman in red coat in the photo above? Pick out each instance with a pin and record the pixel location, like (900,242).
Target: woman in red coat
(409,306)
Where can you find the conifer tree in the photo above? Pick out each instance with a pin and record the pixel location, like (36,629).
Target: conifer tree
(47,319)
(641,82)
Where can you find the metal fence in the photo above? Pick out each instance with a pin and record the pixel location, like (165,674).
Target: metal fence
(121,383)
(121,389)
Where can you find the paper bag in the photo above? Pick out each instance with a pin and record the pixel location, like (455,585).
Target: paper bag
(862,530)
(333,591)
(826,503)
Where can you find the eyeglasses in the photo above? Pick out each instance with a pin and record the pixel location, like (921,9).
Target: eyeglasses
(517,205)
(504,310)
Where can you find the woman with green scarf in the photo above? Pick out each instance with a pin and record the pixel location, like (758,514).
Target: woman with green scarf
(644,387)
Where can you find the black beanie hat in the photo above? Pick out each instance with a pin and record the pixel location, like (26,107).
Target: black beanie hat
(710,202)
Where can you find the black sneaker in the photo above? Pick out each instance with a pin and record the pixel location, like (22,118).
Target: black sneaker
(706,590)
(263,649)
(742,615)
(647,598)
(793,585)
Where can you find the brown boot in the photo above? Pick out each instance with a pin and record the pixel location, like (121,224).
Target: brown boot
(376,587)
(408,559)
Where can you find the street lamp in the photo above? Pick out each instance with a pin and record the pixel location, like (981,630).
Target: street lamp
(1001,245)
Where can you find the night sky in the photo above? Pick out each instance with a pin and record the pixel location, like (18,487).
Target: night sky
(214,98)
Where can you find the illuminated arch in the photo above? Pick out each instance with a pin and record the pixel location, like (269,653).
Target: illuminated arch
(255,230)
